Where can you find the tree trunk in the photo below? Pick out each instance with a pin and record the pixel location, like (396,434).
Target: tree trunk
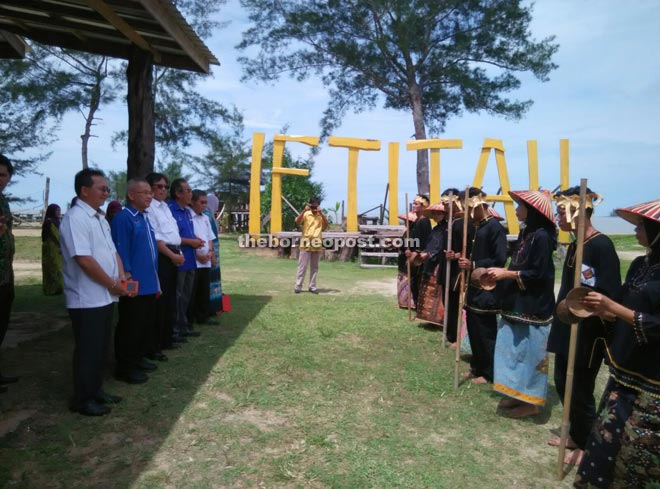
(420,133)
(94,102)
(141,130)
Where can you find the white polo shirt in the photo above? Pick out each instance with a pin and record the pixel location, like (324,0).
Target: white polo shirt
(203,230)
(161,219)
(85,232)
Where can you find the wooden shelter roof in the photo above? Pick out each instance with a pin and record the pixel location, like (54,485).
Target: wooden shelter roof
(106,27)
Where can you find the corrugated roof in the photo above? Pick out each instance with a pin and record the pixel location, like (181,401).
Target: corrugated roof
(110,28)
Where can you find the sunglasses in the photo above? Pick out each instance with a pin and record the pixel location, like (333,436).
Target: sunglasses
(162,186)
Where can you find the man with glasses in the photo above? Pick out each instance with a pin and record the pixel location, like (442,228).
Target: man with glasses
(136,334)
(181,195)
(169,258)
(6,260)
(93,275)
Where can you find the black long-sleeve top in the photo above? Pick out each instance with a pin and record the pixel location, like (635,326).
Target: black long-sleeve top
(435,247)
(420,231)
(530,299)
(633,351)
(600,271)
(457,247)
(489,249)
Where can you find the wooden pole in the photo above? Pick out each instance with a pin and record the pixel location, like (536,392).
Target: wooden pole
(450,225)
(577,281)
(407,259)
(461,294)
(46,197)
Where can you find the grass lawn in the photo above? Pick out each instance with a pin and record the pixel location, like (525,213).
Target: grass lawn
(336,390)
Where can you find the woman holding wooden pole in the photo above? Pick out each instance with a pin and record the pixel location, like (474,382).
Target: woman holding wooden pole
(528,302)
(623,449)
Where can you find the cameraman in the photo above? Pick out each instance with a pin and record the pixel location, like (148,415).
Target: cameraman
(313,222)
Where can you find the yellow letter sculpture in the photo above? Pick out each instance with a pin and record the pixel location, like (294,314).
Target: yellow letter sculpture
(435,145)
(354,145)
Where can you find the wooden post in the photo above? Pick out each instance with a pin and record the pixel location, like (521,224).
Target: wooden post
(461,293)
(46,197)
(141,130)
(577,281)
(450,225)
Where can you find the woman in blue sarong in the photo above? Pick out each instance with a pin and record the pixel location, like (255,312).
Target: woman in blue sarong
(528,302)
(215,276)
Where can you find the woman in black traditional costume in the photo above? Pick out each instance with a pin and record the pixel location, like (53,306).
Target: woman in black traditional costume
(600,271)
(431,260)
(623,449)
(419,236)
(489,249)
(527,292)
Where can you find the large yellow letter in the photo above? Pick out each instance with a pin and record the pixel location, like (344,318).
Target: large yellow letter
(354,146)
(478,181)
(564,179)
(393,180)
(254,227)
(435,145)
(276,186)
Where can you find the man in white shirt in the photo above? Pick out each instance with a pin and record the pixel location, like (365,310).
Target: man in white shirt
(169,258)
(93,273)
(199,305)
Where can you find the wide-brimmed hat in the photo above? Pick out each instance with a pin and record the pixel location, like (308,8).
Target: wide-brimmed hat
(635,213)
(411,216)
(433,209)
(493,213)
(538,199)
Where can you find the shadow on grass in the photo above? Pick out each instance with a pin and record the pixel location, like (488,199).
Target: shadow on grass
(42,442)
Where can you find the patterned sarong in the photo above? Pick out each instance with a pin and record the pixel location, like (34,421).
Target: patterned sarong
(521,363)
(403,291)
(430,306)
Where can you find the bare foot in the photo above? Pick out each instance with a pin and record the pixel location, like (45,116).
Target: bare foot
(554,442)
(574,457)
(523,411)
(467,375)
(509,403)
(479,380)
(452,345)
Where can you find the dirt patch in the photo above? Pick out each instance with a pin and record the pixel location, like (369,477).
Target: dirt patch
(26,231)
(385,287)
(12,420)
(27,269)
(630,255)
(265,421)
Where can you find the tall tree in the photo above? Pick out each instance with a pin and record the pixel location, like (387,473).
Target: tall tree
(433,58)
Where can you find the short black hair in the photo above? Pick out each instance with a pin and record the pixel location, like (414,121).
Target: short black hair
(4,161)
(177,186)
(196,194)
(453,190)
(154,177)
(84,178)
(314,201)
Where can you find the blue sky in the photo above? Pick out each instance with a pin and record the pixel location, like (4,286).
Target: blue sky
(604,98)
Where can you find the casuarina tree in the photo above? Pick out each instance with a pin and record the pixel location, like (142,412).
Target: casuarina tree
(433,58)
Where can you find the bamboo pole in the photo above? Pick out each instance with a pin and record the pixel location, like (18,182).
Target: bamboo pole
(450,225)
(407,259)
(577,281)
(461,294)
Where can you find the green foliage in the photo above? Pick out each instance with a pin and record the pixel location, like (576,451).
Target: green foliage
(434,59)
(297,190)
(117,184)
(333,213)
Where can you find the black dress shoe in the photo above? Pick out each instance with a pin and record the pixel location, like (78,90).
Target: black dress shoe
(146,365)
(105,398)
(179,339)
(91,408)
(131,377)
(8,380)
(158,357)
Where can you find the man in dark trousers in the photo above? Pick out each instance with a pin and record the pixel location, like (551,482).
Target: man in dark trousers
(6,260)
(600,271)
(489,249)
(136,335)
(93,275)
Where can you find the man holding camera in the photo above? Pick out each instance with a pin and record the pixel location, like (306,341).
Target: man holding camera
(313,222)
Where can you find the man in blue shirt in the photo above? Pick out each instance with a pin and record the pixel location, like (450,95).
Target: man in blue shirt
(181,195)
(136,334)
